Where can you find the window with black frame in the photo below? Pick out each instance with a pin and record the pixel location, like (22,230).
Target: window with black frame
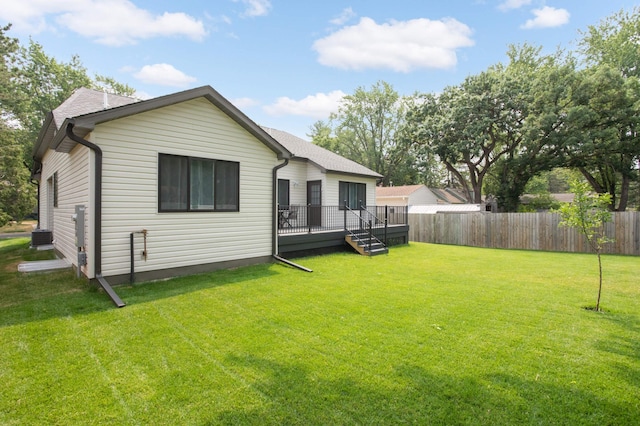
(197,184)
(283,194)
(353,193)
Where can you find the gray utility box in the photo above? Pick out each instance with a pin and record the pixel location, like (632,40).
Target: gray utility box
(79,219)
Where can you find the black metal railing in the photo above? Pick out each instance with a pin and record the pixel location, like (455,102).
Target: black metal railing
(293,219)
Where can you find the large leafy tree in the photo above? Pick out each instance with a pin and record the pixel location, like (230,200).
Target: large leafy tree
(366,129)
(604,117)
(480,124)
(609,153)
(32,84)
(17,194)
(548,83)
(40,83)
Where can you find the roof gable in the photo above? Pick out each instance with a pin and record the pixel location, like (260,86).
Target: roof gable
(85,112)
(326,160)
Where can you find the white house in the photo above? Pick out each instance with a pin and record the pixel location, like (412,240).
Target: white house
(187,179)
(406,195)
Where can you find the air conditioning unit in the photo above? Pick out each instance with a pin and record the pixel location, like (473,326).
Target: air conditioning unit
(41,237)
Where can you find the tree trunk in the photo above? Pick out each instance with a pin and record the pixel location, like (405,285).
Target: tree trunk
(624,193)
(600,286)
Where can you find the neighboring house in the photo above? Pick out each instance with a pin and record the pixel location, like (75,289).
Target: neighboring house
(417,195)
(407,195)
(187,178)
(423,200)
(449,195)
(445,208)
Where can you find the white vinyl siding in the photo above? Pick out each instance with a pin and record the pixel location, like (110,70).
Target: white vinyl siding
(296,173)
(131,148)
(74,178)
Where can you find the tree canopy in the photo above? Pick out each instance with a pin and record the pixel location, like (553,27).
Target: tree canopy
(32,83)
(368,129)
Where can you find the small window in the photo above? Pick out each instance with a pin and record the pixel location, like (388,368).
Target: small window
(355,194)
(55,189)
(283,193)
(197,184)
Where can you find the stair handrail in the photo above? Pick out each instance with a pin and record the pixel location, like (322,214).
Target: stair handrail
(365,224)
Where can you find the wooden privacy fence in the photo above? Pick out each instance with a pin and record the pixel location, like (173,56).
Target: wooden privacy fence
(529,231)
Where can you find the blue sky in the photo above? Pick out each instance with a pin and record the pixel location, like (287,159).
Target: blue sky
(287,63)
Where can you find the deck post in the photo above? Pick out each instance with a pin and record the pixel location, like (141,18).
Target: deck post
(345,214)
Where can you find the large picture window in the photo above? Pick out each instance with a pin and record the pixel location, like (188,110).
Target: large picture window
(197,184)
(353,193)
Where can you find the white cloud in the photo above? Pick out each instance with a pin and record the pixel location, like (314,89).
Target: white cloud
(513,4)
(317,106)
(256,7)
(110,22)
(244,102)
(398,45)
(547,17)
(344,17)
(163,75)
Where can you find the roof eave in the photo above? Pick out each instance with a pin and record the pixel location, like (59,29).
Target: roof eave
(46,134)
(365,175)
(86,123)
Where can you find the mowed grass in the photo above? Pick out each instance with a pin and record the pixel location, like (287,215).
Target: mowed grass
(428,334)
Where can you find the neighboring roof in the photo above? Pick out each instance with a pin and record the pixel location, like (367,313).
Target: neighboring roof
(85,109)
(397,191)
(449,195)
(445,208)
(326,160)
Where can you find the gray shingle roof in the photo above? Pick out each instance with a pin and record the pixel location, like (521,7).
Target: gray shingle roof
(85,101)
(323,158)
(85,108)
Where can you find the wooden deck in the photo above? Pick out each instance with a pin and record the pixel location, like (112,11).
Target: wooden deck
(331,238)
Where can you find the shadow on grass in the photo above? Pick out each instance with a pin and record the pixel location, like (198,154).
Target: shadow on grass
(157,290)
(624,346)
(292,394)
(41,296)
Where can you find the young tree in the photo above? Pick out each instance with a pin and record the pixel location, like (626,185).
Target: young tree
(588,213)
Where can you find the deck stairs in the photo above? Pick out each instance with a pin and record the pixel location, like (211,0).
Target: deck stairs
(366,243)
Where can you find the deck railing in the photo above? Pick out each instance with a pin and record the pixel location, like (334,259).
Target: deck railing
(295,219)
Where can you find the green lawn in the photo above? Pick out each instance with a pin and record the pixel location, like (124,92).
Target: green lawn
(428,334)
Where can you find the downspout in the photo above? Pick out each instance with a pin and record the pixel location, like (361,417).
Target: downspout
(97,214)
(274,214)
(37,166)
(274,221)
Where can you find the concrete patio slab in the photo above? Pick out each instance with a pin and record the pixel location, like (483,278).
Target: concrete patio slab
(44,265)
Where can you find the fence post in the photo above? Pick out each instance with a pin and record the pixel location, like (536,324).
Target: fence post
(370,235)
